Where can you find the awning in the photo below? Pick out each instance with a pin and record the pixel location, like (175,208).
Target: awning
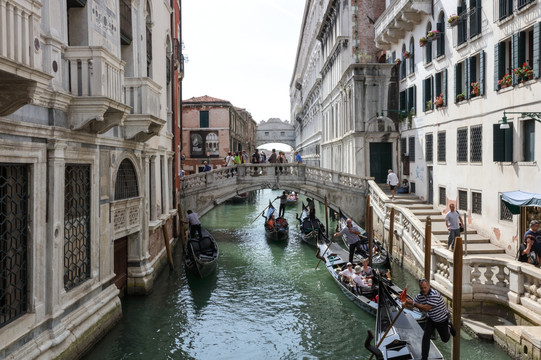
(514,200)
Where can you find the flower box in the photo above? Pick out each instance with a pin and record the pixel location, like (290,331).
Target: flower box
(453,20)
(476,89)
(460,97)
(423,41)
(406,54)
(433,35)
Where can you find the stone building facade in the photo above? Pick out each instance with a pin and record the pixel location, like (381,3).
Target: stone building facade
(211,128)
(339,86)
(85,166)
(462,66)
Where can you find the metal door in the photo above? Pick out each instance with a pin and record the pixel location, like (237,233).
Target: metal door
(381,160)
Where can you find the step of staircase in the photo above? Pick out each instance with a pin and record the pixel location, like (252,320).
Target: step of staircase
(473,238)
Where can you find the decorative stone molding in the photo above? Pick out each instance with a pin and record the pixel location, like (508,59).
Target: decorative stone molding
(126,216)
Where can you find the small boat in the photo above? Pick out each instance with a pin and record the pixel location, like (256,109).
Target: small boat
(379,258)
(398,334)
(336,258)
(292,198)
(275,229)
(201,255)
(239,198)
(311,229)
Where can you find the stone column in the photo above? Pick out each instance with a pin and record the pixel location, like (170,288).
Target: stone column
(55,225)
(152,188)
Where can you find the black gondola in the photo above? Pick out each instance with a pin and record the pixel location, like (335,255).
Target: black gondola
(379,258)
(201,255)
(398,335)
(336,258)
(275,229)
(311,228)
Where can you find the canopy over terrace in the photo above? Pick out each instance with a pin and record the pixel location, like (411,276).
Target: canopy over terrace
(514,200)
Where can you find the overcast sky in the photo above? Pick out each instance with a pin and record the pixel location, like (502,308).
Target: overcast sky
(242,51)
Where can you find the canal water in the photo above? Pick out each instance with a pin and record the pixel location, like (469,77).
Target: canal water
(266,301)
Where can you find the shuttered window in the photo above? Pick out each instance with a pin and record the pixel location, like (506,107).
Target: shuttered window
(476,144)
(462,145)
(429,148)
(441,146)
(503,143)
(203,119)
(440,42)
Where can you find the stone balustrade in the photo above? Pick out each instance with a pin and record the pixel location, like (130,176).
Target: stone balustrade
(94,72)
(19,28)
(126,216)
(142,95)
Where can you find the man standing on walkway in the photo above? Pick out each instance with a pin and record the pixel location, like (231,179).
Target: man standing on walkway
(453,222)
(298,157)
(392,181)
(431,302)
(534,231)
(273,160)
(352,234)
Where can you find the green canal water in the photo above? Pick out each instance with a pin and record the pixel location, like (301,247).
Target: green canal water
(266,301)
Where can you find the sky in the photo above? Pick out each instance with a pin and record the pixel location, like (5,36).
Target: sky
(242,51)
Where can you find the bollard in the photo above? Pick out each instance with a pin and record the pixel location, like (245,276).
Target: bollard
(167,245)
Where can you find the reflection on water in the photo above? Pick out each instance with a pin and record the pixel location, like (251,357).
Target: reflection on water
(264,301)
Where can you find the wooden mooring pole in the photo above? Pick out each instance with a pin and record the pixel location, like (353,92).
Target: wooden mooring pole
(428,246)
(182,226)
(457,296)
(391,232)
(326,217)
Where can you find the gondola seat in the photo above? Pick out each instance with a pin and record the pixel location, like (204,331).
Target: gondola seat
(206,247)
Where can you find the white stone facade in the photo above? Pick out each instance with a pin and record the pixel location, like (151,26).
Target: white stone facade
(458,153)
(80,92)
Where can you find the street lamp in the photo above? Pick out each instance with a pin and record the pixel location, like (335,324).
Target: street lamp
(533,115)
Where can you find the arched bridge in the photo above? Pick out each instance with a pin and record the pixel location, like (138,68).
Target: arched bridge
(203,191)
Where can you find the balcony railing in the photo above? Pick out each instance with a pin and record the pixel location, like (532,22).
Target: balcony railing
(93,71)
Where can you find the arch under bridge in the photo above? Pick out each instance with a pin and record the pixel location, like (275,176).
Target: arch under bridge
(204,191)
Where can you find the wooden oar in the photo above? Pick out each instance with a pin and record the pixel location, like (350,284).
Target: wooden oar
(262,211)
(330,242)
(388,329)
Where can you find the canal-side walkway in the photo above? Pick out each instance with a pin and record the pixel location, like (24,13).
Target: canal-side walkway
(520,341)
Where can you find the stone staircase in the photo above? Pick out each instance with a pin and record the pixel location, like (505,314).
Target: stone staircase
(474,243)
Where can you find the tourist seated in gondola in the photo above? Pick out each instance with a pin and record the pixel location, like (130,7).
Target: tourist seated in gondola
(270,222)
(366,270)
(347,274)
(281,222)
(358,280)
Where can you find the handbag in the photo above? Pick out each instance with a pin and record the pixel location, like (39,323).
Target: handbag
(461,228)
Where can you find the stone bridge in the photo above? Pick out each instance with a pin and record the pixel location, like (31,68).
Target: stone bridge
(275,131)
(201,192)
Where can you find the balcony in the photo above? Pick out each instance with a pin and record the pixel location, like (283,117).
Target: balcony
(21,77)
(143,96)
(400,16)
(95,82)
(126,215)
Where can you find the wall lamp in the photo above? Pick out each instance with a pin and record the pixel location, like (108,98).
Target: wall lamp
(401,113)
(505,125)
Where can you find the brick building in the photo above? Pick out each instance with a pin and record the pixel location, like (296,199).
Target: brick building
(211,128)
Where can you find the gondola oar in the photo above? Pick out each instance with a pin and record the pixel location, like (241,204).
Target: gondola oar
(270,203)
(330,242)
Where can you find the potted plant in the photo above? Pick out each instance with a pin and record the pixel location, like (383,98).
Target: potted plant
(422,41)
(461,96)
(523,73)
(406,54)
(476,88)
(439,101)
(505,81)
(428,105)
(453,20)
(433,35)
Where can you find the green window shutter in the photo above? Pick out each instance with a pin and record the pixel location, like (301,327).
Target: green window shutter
(502,143)
(414,104)
(432,97)
(458,79)
(467,78)
(403,102)
(482,73)
(424,95)
(497,66)
(203,119)
(537,50)
(437,84)
(444,87)
(514,55)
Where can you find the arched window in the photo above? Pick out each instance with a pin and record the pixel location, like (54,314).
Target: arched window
(462,28)
(168,76)
(428,46)
(211,144)
(403,63)
(126,181)
(440,43)
(412,56)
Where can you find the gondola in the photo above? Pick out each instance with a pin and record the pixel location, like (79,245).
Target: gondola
(336,258)
(239,198)
(398,335)
(380,257)
(201,255)
(311,229)
(292,198)
(275,229)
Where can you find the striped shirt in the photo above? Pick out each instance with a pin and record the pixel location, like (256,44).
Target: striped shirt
(439,311)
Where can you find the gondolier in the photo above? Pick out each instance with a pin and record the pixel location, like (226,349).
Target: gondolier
(430,301)
(283,202)
(195,225)
(352,233)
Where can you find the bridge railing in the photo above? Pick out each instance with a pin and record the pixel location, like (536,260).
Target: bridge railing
(491,279)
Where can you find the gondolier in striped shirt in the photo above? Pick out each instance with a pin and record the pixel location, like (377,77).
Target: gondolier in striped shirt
(431,302)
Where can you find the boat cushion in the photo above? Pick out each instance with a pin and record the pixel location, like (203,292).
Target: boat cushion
(205,246)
